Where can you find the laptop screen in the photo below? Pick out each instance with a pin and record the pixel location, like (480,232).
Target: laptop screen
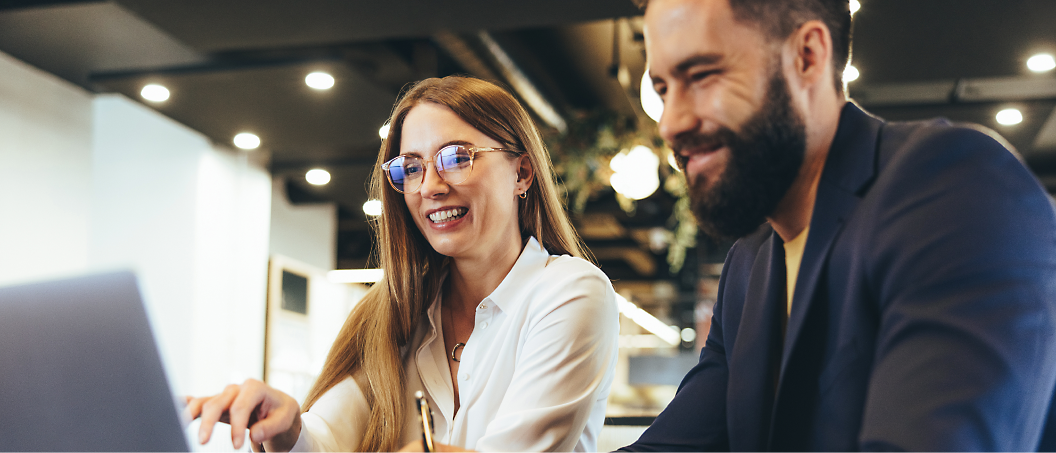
(80,370)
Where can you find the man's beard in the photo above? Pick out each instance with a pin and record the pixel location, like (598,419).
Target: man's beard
(765,158)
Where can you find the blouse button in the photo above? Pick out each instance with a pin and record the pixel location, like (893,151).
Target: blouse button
(484,325)
(465,376)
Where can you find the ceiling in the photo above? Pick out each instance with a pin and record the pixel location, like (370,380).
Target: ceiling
(239,65)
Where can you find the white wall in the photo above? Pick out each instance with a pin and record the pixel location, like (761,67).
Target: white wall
(45,173)
(192,220)
(305,233)
(89,183)
(101,182)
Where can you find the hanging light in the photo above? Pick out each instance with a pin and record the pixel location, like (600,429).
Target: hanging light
(635,173)
(651,102)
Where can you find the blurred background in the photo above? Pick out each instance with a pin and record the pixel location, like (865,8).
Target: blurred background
(222,150)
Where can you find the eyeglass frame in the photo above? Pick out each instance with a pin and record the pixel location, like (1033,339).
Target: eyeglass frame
(425,164)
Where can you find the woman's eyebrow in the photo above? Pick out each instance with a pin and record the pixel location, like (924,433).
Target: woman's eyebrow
(454,142)
(438,148)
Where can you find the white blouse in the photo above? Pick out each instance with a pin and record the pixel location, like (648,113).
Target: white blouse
(534,374)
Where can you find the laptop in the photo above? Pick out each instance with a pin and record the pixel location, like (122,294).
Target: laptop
(80,371)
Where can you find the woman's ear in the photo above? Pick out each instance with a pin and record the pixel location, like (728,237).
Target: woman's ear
(525,173)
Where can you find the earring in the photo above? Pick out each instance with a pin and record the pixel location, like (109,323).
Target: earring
(524,195)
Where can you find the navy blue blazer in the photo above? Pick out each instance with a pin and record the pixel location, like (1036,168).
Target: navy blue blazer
(923,318)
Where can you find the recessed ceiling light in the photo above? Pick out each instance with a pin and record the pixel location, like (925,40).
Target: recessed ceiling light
(320,80)
(372,207)
(317,176)
(155,93)
(1009,117)
(245,140)
(855,6)
(850,74)
(1041,62)
(651,102)
(384,131)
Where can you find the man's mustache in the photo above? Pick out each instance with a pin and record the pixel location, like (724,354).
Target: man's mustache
(698,140)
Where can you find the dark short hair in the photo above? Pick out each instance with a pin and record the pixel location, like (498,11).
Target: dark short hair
(778,19)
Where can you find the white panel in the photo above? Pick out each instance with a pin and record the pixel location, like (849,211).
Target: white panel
(45,174)
(304,233)
(193,221)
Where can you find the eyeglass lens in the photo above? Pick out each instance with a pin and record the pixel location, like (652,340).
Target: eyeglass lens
(453,163)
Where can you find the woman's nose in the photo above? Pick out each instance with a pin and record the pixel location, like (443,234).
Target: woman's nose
(433,184)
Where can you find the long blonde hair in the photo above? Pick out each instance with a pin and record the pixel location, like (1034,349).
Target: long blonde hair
(387,317)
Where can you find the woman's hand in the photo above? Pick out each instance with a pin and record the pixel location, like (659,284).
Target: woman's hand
(417,446)
(273,417)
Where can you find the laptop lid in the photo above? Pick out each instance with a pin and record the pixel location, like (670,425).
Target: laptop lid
(80,371)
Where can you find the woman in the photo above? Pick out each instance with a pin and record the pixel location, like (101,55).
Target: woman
(486,307)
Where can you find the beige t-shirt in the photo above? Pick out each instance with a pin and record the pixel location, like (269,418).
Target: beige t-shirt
(793,257)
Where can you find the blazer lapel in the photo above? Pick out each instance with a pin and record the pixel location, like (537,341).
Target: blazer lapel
(849,169)
(758,347)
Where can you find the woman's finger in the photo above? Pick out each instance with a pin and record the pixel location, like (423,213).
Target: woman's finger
(251,395)
(212,409)
(278,419)
(193,408)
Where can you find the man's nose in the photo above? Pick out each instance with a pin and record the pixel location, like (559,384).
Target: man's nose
(679,117)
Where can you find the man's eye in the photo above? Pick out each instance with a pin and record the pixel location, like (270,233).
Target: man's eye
(701,75)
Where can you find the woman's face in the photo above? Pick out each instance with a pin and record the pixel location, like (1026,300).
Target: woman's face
(485,221)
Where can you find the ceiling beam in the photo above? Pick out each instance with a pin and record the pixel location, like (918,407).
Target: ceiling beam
(991,89)
(1046,138)
(522,85)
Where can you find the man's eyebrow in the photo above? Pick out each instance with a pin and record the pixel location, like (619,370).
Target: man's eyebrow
(699,59)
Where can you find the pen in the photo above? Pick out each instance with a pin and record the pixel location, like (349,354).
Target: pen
(426,416)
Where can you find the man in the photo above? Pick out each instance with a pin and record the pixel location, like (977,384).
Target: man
(900,294)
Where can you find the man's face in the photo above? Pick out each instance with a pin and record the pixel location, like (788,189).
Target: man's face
(727,112)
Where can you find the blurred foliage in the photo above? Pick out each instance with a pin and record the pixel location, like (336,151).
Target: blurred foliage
(581,159)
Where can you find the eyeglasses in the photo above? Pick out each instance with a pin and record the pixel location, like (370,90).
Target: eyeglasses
(454,163)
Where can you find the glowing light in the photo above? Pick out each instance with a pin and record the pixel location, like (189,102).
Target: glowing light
(635,173)
(648,321)
(372,207)
(673,162)
(317,176)
(1009,117)
(1041,62)
(355,275)
(384,131)
(319,80)
(651,102)
(855,6)
(245,140)
(688,335)
(155,93)
(850,74)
